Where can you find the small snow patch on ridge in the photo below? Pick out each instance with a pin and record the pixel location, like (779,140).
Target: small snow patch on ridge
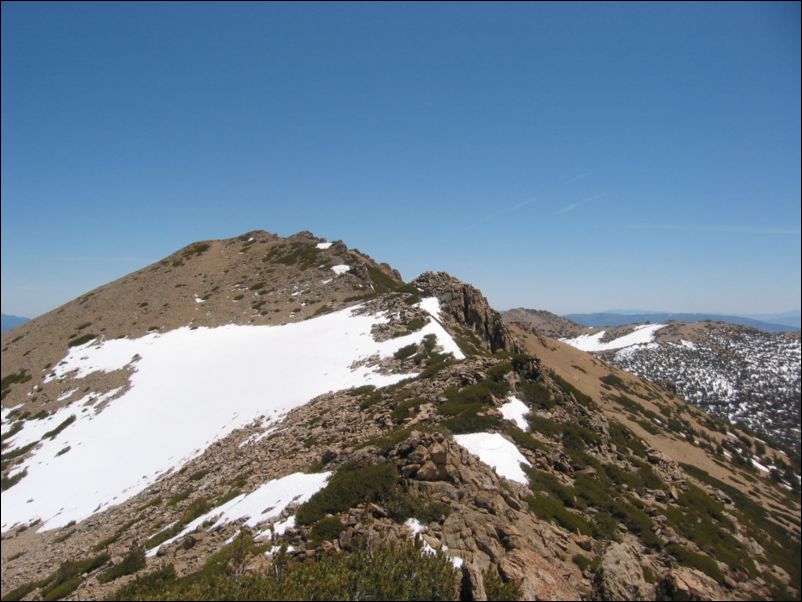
(340,269)
(276,494)
(323,245)
(515,410)
(498,453)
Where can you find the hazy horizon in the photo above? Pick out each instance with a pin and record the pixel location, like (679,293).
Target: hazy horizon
(560,156)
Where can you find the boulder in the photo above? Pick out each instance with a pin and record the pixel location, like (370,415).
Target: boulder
(619,576)
(685,583)
(538,579)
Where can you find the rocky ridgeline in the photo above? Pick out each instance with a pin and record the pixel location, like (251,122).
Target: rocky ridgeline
(468,307)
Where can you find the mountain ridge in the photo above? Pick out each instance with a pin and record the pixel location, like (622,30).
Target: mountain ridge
(479,445)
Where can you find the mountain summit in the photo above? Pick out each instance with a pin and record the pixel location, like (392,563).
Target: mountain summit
(281,418)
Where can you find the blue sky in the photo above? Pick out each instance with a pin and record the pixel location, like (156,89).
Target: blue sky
(572,157)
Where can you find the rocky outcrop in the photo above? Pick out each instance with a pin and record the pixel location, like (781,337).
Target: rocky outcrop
(620,576)
(538,579)
(469,308)
(684,583)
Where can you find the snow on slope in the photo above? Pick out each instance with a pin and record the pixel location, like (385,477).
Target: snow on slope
(189,388)
(497,452)
(431,305)
(266,502)
(515,410)
(642,334)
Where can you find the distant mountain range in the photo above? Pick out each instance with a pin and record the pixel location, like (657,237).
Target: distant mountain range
(8,322)
(770,323)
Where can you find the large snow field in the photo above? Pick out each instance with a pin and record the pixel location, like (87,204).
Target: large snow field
(592,342)
(188,389)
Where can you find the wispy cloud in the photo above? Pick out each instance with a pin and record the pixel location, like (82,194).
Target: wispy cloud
(574,205)
(727,229)
(580,176)
(512,208)
(95,259)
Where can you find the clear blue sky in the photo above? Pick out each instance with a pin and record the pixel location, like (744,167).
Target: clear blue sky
(573,157)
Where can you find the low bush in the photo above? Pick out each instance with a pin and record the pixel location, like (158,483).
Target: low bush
(695,560)
(398,572)
(549,508)
(326,528)
(349,486)
(81,340)
(132,562)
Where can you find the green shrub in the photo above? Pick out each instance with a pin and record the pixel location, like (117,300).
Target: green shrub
(81,340)
(604,526)
(326,528)
(544,481)
(349,486)
(199,474)
(406,351)
(695,560)
(147,586)
(68,577)
(549,508)
(197,248)
(468,422)
(18,377)
(133,561)
(7,482)
(399,572)
(193,511)
(581,398)
(52,434)
(544,426)
(496,589)
(522,438)
(583,562)
(536,394)
(625,439)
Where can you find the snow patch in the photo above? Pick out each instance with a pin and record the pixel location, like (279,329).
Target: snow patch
(431,305)
(497,452)
(324,245)
(592,342)
(172,411)
(262,504)
(340,269)
(514,411)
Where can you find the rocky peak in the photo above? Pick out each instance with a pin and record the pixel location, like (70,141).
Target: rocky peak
(468,307)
